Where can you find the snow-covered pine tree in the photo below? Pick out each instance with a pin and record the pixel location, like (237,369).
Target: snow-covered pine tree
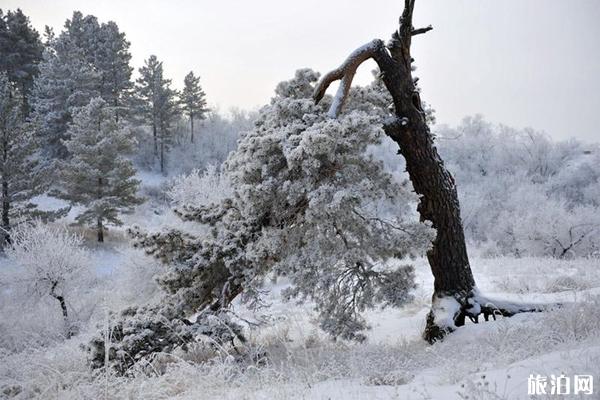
(193,100)
(308,201)
(157,105)
(65,83)
(21,178)
(82,31)
(20,52)
(112,61)
(87,59)
(98,175)
(107,50)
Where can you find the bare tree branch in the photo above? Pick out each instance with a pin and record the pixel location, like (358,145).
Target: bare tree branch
(420,31)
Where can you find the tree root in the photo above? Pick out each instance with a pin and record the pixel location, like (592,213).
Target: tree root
(449,312)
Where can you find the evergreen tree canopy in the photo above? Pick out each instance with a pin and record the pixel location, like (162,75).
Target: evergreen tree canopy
(86,60)
(20,52)
(157,105)
(20,174)
(98,175)
(106,49)
(65,83)
(308,201)
(193,100)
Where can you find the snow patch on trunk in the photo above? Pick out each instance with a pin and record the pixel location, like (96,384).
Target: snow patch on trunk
(444,310)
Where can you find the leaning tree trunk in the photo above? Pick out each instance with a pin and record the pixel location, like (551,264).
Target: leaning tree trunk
(455,295)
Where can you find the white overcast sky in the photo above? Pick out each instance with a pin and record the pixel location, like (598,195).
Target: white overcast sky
(519,62)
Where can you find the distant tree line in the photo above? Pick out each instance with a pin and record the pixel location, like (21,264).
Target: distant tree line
(68,103)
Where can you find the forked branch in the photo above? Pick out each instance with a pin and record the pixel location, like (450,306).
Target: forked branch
(389,64)
(345,72)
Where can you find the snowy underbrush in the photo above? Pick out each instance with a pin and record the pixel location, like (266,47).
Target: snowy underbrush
(31,320)
(288,357)
(522,275)
(279,368)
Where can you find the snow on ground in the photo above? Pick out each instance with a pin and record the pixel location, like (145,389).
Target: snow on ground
(151,178)
(288,357)
(488,360)
(294,359)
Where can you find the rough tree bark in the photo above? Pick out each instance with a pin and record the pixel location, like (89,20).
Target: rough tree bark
(455,295)
(154,136)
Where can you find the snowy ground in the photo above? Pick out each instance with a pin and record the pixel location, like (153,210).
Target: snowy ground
(288,357)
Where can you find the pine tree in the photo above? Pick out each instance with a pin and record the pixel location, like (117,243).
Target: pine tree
(66,82)
(157,105)
(98,175)
(193,100)
(87,59)
(83,33)
(309,202)
(20,176)
(20,52)
(106,49)
(112,61)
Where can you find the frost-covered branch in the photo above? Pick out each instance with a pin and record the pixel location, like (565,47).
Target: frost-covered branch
(345,73)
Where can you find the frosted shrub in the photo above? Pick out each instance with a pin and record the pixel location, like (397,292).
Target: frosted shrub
(49,262)
(523,193)
(200,188)
(578,321)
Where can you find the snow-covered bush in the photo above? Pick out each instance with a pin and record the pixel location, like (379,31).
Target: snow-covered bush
(199,188)
(523,193)
(47,268)
(411,366)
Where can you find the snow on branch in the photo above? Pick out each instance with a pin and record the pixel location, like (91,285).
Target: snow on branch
(399,48)
(489,306)
(345,73)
